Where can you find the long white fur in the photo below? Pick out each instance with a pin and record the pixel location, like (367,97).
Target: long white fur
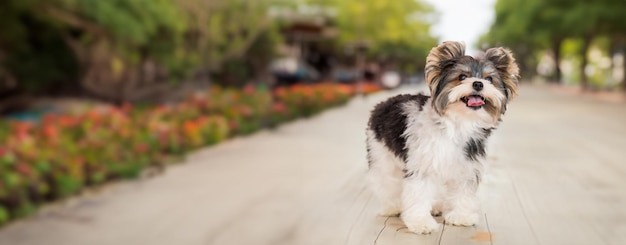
(443,179)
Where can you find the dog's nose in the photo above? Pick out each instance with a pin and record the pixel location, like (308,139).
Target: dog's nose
(478,86)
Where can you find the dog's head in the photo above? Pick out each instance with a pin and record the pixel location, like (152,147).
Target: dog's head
(465,85)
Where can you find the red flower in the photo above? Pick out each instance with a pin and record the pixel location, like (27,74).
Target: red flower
(279,107)
(248,90)
(233,125)
(142,147)
(161,109)
(126,107)
(245,110)
(22,129)
(280,92)
(3,151)
(67,121)
(24,169)
(164,137)
(49,118)
(202,120)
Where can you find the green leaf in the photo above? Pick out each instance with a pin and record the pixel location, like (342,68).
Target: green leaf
(7,160)
(4,215)
(43,166)
(12,180)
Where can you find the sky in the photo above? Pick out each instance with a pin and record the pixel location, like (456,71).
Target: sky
(463,20)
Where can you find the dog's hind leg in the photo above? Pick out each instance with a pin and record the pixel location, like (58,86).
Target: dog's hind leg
(385,176)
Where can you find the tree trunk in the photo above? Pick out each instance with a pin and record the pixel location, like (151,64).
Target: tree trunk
(617,45)
(584,80)
(527,67)
(613,50)
(556,48)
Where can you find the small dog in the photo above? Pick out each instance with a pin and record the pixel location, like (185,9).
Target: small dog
(426,154)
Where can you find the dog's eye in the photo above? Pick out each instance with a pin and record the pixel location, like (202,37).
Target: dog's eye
(489,79)
(462,77)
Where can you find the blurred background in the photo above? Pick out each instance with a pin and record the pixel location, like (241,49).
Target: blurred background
(144,50)
(136,51)
(162,77)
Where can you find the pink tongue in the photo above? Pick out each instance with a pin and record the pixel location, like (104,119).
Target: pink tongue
(475,101)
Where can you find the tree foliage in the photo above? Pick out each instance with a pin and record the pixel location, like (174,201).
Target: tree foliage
(122,50)
(396,29)
(532,26)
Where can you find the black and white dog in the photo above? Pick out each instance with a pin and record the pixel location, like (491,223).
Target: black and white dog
(427,153)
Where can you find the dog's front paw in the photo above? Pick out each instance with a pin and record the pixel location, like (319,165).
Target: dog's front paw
(461,219)
(421,225)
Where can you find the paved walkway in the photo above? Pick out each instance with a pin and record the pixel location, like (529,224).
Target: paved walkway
(558,176)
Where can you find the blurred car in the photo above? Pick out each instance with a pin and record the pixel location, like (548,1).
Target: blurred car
(345,75)
(289,71)
(415,79)
(390,79)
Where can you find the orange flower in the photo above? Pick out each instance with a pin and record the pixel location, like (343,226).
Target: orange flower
(328,96)
(345,89)
(190,127)
(94,115)
(50,131)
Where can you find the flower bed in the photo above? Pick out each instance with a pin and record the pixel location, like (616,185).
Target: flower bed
(65,153)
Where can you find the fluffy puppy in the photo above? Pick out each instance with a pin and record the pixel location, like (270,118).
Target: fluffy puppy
(426,154)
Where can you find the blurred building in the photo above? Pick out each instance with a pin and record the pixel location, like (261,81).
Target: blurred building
(307,54)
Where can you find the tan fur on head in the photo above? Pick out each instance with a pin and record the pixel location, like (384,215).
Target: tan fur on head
(508,70)
(445,51)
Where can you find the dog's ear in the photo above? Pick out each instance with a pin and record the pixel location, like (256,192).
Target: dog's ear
(508,70)
(436,60)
